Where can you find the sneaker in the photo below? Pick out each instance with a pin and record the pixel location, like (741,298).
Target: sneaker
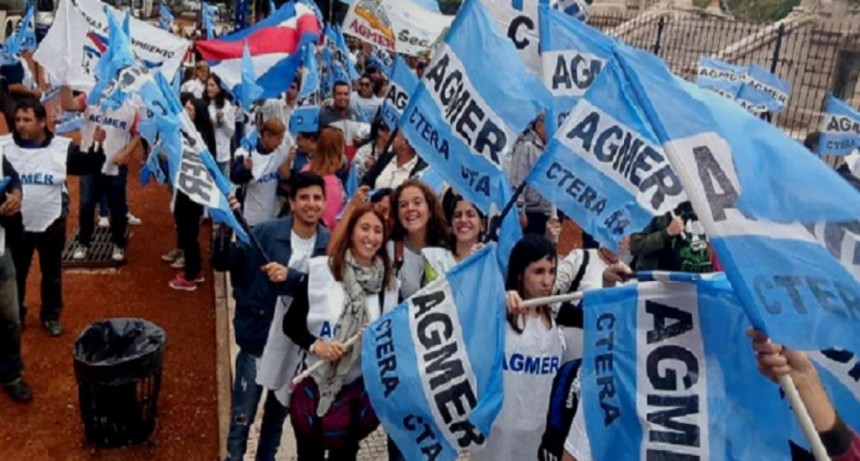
(118,254)
(80,252)
(19,390)
(178,263)
(133,220)
(53,327)
(172,255)
(200,278)
(179,283)
(103,222)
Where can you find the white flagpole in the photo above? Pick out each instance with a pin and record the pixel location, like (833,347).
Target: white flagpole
(305,374)
(802,415)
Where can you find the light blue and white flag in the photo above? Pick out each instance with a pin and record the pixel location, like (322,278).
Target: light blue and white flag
(305,119)
(208,16)
(26,34)
(248,91)
(724,78)
(432,5)
(340,52)
(432,367)
(518,20)
(784,225)
(401,86)
(668,374)
(840,128)
(382,60)
(572,54)
(165,17)
(71,121)
(464,116)
(763,91)
(117,57)
(605,168)
(311,77)
(579,9)
(433,180)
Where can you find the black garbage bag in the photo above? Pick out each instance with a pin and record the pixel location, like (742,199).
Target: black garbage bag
(118,365)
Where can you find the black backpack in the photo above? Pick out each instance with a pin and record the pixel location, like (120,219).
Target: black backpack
(564,401)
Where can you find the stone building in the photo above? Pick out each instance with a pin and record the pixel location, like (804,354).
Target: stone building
(816,47)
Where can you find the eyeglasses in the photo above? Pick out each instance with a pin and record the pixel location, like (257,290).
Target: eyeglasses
(364,83)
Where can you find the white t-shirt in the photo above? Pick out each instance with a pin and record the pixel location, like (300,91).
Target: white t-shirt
(302,249)
(193,86)
(366,106)
(411,273)
(393,176)
(223,130)
(577,443)
(277,108)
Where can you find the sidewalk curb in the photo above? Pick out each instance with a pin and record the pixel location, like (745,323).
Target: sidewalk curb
(224,378)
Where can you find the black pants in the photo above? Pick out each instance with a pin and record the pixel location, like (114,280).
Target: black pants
(187,215)
(93,188)
(49,244)
(10,322)
(311,449)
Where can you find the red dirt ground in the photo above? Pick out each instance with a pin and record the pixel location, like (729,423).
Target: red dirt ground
(50,428)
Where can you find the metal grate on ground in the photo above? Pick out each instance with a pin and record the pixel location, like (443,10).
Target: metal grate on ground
(99,254)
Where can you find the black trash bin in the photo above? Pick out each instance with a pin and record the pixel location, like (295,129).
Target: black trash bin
(118,369)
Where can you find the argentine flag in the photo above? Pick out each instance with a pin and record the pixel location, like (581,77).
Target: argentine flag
(840,128)
(432,367)
(783,224)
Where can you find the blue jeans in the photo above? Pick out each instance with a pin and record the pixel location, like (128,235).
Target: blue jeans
(246,398)
(10,324)
(94,188)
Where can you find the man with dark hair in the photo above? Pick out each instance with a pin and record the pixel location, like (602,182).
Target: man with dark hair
(289,243)
(44,161)
(339,114)
(364,102)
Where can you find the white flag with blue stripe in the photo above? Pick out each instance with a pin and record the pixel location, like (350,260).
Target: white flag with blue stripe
(840,128)
(667,374)
(723,78)
(763,91)
(433,366)
(784,225)
(604,167)
(572,55)
(401,85)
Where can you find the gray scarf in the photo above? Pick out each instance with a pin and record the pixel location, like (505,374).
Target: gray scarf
(358,282)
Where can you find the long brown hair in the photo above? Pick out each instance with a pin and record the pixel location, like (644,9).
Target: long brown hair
(438,231)
(329,155)
(342,240)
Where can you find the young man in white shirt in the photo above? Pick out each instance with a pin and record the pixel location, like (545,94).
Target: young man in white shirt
(122,138)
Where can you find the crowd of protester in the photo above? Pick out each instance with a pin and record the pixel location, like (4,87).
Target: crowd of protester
(358,256)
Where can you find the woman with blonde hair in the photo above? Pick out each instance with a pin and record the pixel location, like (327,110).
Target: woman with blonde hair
(326,163)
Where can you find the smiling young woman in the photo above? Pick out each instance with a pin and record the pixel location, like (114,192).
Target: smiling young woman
(343,292)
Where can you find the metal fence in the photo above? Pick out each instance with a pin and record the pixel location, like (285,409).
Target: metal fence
(816,57)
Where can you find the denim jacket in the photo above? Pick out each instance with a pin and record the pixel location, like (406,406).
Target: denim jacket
(254,293)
